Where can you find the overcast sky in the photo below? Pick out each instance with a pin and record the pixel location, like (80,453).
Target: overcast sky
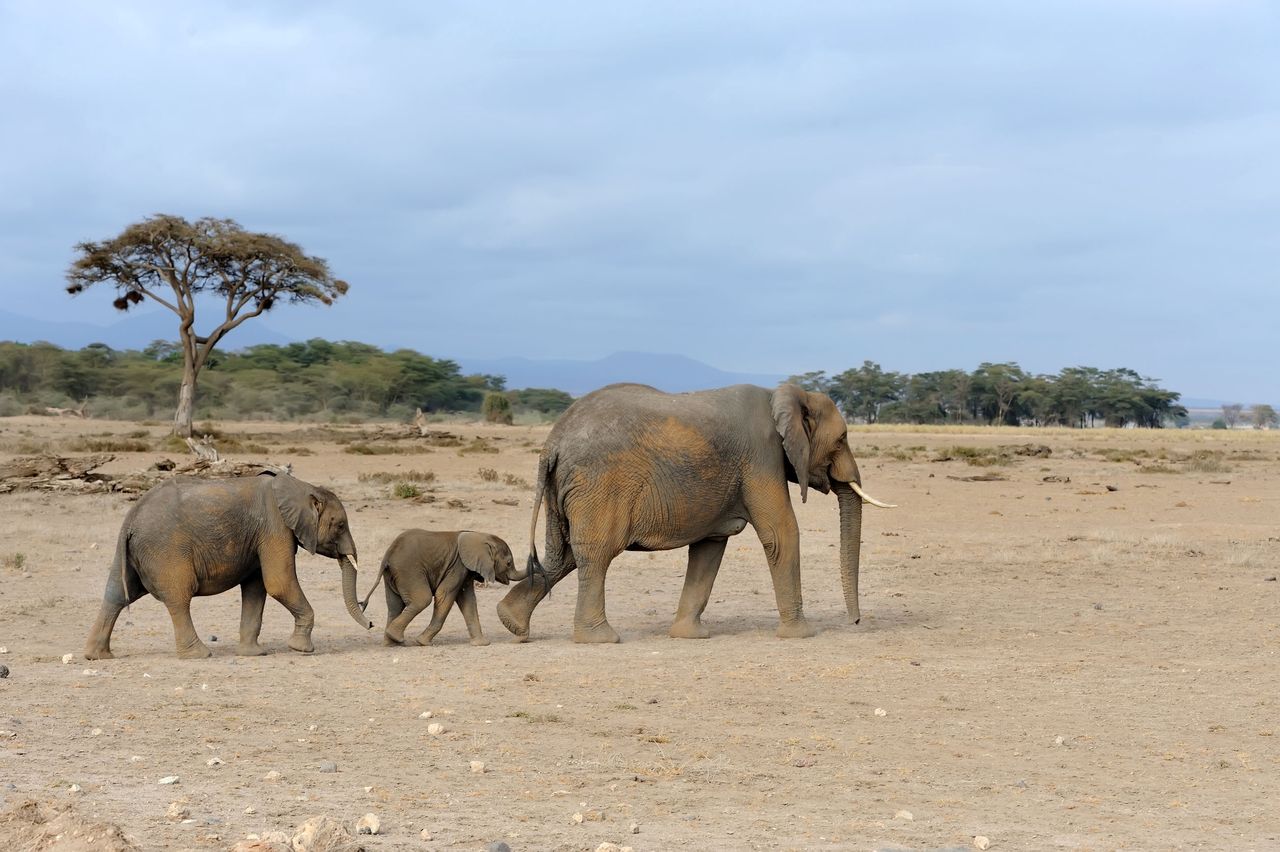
(768,187)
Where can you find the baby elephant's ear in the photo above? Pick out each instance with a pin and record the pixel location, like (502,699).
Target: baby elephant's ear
(477,554)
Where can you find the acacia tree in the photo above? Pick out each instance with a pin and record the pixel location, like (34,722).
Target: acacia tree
(173,262)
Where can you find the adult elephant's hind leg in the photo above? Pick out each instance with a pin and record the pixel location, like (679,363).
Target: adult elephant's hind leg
(589,622)
(516,607)
(704,564)
(253,597)
(114,600)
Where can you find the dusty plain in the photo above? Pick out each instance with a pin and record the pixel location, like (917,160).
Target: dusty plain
(1047,664)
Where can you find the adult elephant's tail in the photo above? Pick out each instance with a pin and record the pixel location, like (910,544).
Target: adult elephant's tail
(534,566)
(122,559)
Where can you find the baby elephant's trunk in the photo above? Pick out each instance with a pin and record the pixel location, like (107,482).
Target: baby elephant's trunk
(349,592)
(515,575)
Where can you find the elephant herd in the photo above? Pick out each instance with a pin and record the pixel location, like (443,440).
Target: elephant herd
(627,467)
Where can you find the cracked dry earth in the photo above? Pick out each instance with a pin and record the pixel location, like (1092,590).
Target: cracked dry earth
(1046,664)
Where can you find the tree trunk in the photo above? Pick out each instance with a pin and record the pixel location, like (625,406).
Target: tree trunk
(186,403)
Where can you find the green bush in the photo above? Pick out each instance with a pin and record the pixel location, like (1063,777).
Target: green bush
(497,408)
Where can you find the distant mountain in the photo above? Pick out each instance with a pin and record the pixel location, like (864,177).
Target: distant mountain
(134,331)
(673,373)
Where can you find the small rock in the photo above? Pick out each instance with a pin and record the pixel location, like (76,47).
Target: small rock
(67,658)
(89,672)
(135,759)
(271,776)
(96,732)
(368,789)
(328,767)
(981,842)
(635,828)
(176,812)
(1264,579)
(425,714)
(477,767)
(497,846)
(577,819)
(4,671)
(880,711)
(3,649)
(214,761)
(435,729)
(168,779)
(75,788)
(369,824)
(251,810)
(1058,740)
(608,847)
(321,833)
(213,638)
(907,815)
(424,834)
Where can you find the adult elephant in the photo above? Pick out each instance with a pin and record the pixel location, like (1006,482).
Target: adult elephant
(191,537)
(631,468)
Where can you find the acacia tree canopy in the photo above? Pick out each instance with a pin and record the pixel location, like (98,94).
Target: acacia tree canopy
(174,262)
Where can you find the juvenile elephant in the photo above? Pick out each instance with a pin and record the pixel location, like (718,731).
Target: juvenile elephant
(631,468)
(191,537)
(421,566)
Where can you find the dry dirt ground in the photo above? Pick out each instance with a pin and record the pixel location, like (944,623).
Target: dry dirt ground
(1046,664)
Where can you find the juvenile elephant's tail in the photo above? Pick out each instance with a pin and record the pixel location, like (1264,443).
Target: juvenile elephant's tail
(377,581)
(534,567)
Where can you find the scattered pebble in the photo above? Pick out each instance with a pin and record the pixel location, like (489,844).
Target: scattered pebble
(271,776)
(213,638)
(328,766)
(75,788)
(89,672)
(907,815)
(497,846)
(435,729)
(577,819)
(214,761)
(177,812)
(67,658)
(880,711)
(368,789)
(981,842)
(3,649)
(1058,740)
(477,767)
(424,834)
(168,779)
(312,727)
(135,759)
(96,732)
(251,810)
(635,828)
(4,671)
(369,824)
(425,714)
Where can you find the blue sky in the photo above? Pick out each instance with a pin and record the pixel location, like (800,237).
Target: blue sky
(767,187)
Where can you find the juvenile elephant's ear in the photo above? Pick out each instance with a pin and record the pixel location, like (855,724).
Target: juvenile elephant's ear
(478,555)
(789,410)
(299,505)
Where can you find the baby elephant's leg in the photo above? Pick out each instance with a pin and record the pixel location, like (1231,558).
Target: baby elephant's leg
(446,594)
(467,603)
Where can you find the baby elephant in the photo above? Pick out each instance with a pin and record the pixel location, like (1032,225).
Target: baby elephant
(421,565)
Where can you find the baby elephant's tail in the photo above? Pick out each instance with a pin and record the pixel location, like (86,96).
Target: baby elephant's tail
(377,582)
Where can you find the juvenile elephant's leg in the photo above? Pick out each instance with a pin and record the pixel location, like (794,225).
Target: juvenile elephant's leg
(704,564)
(114,600)
(409,610)
(470,614)
(395,606)
(281,581)
(185,637)
(253,597)
(445,595)
(589,621)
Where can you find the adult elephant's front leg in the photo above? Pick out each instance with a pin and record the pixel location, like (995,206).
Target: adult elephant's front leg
(704,564)
(281,583)
(253,598)
(781,540)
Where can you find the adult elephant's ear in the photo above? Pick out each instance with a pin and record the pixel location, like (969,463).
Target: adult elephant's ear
(300,507)
(789,410)
(478,555)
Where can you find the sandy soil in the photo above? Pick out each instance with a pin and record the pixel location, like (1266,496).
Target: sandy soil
(1046,664)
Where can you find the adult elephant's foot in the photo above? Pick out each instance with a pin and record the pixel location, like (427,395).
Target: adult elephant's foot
(514,617)
(689,628)
(250,649)
(301,644)
(479,641)
(389,640)
(798,628)
(98,654)
(600,634)
(196,651)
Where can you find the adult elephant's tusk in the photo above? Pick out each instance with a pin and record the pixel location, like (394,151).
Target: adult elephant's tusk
(353,562)
(857,489)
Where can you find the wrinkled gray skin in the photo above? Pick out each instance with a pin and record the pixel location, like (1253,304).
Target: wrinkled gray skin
(631,468)
(190,537)
(421,567)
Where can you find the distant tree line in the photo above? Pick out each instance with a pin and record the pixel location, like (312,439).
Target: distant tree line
(317,379)
(1000,394)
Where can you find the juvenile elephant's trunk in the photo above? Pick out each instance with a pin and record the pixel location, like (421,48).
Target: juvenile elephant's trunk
(349,592)
(850,546)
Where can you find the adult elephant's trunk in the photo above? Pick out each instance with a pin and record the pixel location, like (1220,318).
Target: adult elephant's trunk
(850,545)
(349,592)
